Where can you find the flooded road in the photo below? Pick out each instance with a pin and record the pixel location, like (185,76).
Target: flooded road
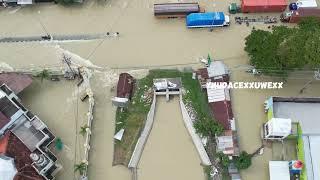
(169,152)
(144,42)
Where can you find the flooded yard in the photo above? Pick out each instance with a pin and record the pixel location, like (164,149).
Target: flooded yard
(144,42)
(56,104)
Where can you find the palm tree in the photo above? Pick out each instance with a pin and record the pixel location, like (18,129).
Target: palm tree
(81,167)
(44,74)
(83,129)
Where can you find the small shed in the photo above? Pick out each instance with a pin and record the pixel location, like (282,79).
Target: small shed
(125,86)
(227,143)
(279,170)
(277,128)
(217,68)
(217,94)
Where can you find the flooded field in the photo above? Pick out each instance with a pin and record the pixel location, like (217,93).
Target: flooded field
(169,152)
(144,42)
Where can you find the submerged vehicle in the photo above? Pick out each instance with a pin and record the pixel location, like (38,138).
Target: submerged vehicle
(209,19)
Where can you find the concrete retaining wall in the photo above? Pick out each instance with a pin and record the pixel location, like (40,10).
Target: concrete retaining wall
(195,137)
(136,155)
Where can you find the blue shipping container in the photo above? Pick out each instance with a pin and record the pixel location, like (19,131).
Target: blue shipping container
(205,19)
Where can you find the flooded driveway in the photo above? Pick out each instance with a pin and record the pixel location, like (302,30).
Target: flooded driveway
(169,152)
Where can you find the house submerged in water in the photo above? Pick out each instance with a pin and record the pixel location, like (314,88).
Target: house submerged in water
(23,136)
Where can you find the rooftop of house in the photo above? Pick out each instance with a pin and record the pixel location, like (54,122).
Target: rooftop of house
(220,105)
(222,112)
(11,146)
(15,81)
(28,135)
(302,110)
(305,111)
(227,143)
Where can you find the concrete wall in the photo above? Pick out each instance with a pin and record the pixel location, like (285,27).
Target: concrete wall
(195,137)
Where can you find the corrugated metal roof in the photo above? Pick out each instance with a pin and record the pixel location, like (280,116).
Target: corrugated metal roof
(176,7)
(222,112)
(264,2)
(216,95)
(125,85)
(217,68)
(279,170)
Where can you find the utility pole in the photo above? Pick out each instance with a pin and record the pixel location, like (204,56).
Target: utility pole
(48,36)
(67,60)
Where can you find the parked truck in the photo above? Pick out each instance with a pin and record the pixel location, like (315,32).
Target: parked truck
(257,6)
(175,10)
(209,19)
(299,14)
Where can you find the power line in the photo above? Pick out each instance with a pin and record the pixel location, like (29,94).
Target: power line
(111,27)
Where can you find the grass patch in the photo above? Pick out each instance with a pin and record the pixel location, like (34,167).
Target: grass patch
(133,118)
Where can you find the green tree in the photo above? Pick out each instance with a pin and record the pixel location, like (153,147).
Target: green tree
(44,74)
(243,161)
(81,167)
(284,49)
(224,160)
(66,2)
(207,127)
(83,130)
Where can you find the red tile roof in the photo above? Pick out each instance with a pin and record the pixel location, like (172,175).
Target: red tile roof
(3,120)
(17,150)
(222,112)
(4,144)
(16,82)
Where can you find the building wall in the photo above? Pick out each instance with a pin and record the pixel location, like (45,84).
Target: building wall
(300,153)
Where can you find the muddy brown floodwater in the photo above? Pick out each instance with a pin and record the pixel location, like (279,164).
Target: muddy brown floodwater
(169,152)
(144,41)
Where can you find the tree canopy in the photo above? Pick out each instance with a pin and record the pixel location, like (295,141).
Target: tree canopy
(285,49)
(207,127)
(243,161)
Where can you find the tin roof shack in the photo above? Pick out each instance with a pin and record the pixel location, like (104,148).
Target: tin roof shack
(304,112)
(215,70)
(171,10)
(28,130)
(124,90)
(298,15)
(15,81)
(220,105)
(219,102)
(255,6)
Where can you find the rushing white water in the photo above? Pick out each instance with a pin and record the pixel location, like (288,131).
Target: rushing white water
(5,67)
